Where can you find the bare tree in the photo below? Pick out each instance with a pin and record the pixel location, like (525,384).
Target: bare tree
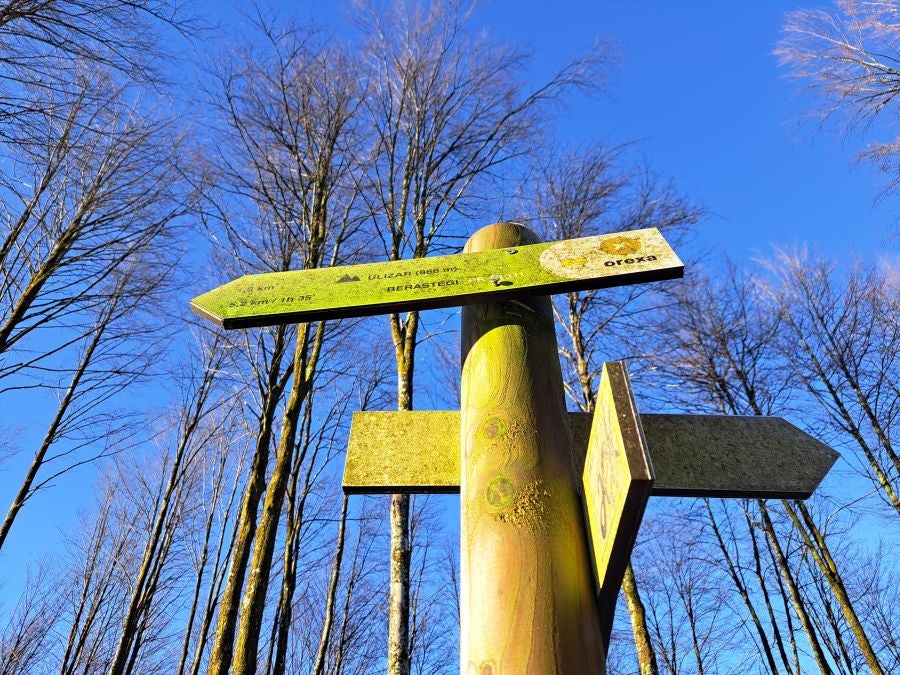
(357,645)
(723,354)
(843,346)
(328,624)
(882,605)
(86,252)
(287,151)
(221,471)
(736,573)
(88,190)
(138,532)
(730,347)
(686,612)
(27,639)
(848,57)
(116,34)
(191,440)
(448,109)
(434,615)
(584,193)
(95,596)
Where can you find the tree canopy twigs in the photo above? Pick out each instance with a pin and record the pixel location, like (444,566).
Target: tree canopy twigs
(849,58)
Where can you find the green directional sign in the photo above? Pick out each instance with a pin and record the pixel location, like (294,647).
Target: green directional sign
(427,283)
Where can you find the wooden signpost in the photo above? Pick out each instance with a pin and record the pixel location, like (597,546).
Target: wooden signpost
(616,480)
(538,583)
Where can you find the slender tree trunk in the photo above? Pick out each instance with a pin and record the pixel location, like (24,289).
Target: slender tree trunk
(797,599)
(338,664)
(838,649)
(818,547)
(668,656)
(295,521)
(399,648)
(37,461)
(195,600)
(645,654)
(742,589)
(764,590)
(201,562)
(245,528)
(786,600)
(217,576)
(398,617)
(319,667)
(159,541)
(695,643)
(253,603)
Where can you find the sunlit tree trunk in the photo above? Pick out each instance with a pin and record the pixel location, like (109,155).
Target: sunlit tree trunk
(328,623)
(253,604)
(192,438)
(818,547)
(245,525)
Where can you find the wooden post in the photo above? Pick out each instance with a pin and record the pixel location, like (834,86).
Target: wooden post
(527,596)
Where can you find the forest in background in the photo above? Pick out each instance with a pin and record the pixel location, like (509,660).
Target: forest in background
(218,539)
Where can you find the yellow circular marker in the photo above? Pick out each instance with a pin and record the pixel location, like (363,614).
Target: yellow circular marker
(493,428)
(620,245)
(580,258)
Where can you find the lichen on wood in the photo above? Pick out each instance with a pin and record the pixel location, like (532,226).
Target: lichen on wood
(527,599)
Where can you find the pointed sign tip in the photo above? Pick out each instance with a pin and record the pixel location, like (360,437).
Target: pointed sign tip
(198,309)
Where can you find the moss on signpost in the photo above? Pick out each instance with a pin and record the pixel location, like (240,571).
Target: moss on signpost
(527,598)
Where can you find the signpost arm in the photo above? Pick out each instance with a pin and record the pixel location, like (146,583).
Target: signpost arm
(527,596)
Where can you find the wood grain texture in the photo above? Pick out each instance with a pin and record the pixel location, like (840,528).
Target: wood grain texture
(527,600)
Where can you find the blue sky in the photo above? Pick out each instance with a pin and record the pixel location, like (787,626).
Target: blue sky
(699,86)
(698,83)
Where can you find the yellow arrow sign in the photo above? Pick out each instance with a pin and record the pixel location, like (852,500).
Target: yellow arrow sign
(617,479)
(446,281)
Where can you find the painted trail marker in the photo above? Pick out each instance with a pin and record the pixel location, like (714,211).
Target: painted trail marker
(538,587)
(616,480)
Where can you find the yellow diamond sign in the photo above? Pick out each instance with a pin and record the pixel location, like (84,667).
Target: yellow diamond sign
(617,479)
